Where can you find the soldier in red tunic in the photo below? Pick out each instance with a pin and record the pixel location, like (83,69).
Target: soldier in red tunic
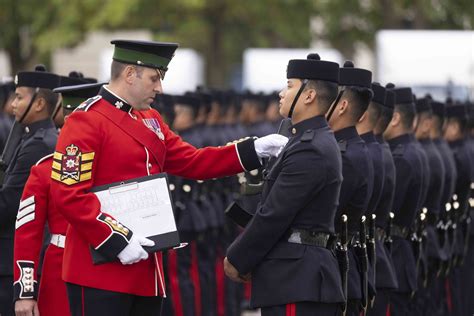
(115,137)
(36,210)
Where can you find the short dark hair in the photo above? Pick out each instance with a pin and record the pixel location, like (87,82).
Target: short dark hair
(359,98)
(385,117)
(326,92)
(49,97)
(438,122)
(407,114)
(374,112)
(116,69)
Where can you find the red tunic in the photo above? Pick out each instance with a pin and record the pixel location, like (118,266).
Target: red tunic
(101,144)
(36,210)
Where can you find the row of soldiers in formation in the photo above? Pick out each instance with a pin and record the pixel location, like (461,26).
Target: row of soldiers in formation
(433,218)
(406,250)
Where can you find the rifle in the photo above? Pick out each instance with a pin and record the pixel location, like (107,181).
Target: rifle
(343,259)
(371,252)
(361,252)
(388,238)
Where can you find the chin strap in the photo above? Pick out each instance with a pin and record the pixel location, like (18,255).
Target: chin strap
(57,108)
(333,106)
(292,108)
(33,98)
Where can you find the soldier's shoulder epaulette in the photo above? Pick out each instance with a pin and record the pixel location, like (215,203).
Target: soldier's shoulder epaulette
(308,135)
(399,150)
(85,106)
(342,145)
(44,158)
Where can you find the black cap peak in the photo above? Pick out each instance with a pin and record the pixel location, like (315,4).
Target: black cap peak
(313,56)
(390,85)
(348,64)
(40,67)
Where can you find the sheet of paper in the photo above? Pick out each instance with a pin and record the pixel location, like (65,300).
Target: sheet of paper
(144,207)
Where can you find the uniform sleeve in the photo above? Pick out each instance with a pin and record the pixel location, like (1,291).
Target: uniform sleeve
(353,194)
(30,222)
(407,193)
(184,160)
(12,189)
(294,187)
(73,173)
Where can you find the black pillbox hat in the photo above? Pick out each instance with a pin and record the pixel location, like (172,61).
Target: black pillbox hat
(423,105)
(403,96)
(438,109)
(39,78)
(73,79)
(350,76)
(380,93)
(187,100)
(456,111)
(313,68)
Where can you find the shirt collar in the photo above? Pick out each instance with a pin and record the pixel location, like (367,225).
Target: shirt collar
(369,137)
(346,133)
(114,99)
(315,122)
(402,139)
(31,129)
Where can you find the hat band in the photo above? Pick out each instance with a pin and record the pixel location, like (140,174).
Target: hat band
(72,102)
(140,58)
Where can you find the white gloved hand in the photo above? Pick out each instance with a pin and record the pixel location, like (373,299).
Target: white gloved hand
(270,145)
(134,251)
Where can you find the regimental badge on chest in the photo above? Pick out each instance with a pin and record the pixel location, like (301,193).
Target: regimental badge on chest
(154,126)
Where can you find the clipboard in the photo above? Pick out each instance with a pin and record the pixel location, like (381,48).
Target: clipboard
(144,205)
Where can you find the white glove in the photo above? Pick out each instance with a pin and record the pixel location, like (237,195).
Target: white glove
(270,145)
(134,251)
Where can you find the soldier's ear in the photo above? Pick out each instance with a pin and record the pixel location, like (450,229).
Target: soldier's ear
(396,119)
(343,107)
(129,73)
(39,104)
(310,96)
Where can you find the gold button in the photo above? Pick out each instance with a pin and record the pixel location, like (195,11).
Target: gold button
(293,131)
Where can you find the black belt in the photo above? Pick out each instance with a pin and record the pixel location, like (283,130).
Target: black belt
(307,237)
(399,231)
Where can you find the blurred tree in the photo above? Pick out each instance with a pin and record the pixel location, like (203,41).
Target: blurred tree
(219,29)
(347,23)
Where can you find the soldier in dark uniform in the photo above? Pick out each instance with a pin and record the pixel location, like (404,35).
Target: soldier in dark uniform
(7,90)
(377,118)
(283,248)
(357,172)
(408,167)
(449,181)
(184,286)
(467,272)
(455,135)
(33,106)
(432,203)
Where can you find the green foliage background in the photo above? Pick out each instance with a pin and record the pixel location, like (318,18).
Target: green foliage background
(219,29)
